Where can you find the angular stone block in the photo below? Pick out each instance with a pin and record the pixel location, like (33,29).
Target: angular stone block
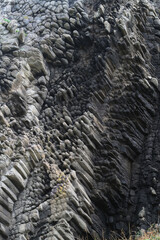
(5,216)
(25,166)
(10,185)
(16,179)
(20,169)
(8,191)
(4,230)
(6,201)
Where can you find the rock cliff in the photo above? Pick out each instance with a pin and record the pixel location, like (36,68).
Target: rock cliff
(79,118)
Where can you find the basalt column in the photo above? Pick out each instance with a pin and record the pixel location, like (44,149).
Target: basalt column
(79,118)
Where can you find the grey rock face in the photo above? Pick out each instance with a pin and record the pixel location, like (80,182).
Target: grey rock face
(79,118)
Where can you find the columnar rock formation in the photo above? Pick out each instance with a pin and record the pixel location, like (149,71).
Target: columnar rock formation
(79,118)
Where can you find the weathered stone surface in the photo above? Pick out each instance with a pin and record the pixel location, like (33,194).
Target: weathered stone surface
(3,231)
(16,178)
(79,118)
(9,44)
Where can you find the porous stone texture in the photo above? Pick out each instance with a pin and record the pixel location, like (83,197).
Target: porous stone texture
(79,118)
